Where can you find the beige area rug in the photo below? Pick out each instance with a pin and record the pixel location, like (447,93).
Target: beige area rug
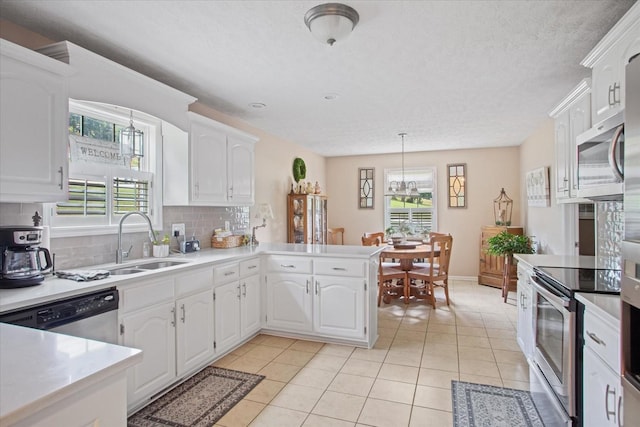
(198,402)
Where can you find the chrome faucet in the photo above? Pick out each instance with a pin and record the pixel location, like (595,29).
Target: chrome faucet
(123,254)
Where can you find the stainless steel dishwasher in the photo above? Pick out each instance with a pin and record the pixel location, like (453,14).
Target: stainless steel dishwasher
(92,315)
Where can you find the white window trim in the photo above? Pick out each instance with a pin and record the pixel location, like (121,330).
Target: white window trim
(133,224)
(408,172)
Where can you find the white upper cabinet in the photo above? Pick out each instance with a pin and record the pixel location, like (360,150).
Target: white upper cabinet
(34,109)
(608,61)
(572,116)
(219,165)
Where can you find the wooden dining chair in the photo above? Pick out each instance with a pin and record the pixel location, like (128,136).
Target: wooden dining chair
(334,233)
(392,281)
(379,234)
(433,273)
(371,241)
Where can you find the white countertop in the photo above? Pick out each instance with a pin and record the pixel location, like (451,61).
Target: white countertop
(40,368)
(53,288)
(607,307)
(569,261)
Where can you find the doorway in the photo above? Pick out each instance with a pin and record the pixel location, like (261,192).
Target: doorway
(586,229)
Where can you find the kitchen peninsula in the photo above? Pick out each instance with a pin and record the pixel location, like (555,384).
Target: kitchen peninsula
(320,292)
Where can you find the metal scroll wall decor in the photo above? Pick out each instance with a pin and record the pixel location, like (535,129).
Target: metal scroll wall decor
(457,185)
(365,180)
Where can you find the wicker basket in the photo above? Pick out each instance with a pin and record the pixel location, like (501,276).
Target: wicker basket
(226,242)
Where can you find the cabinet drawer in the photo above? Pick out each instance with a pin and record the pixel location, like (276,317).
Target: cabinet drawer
(225,273)
(340,267)
(191,281)
(146,295)
(603,339)
(249,267)
(289,264)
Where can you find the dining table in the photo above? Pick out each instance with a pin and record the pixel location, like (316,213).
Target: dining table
(407,252)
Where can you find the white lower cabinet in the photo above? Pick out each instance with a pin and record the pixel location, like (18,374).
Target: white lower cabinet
(525,310)
(227,315)
(194,331)
(602,392)
(601,384)
(289,301)
(171,321)
(327,297)
(153,331)
(237,302)
(338,306)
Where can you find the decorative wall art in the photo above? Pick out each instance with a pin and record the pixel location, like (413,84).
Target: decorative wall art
(538,193)
(457,185)
(365,182)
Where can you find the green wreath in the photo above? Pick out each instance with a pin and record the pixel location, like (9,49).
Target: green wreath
(299,169)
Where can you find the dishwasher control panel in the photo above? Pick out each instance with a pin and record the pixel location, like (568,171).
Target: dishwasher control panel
(60,312)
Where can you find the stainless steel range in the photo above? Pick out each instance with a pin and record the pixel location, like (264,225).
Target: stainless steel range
(558,334)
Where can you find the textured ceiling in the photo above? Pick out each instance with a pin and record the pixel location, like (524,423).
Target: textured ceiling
(452,74)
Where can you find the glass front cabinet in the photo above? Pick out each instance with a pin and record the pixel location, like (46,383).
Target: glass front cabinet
(307,218)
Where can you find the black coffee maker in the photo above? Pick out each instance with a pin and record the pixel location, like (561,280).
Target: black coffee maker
(22,257)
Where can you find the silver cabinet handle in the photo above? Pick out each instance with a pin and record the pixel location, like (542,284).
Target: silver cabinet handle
(61,172)
(287,266)
(307,286)
(619,410)
(613,161)
(610,98)
(316,287)
(616,93)
(339,269)
(238,291)
(596,338)
(183,313)
(244,290)
(609,390)
(229,273)
(251,267)
(197,188)
(173,316)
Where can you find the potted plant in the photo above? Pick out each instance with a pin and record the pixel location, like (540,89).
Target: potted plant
(161,246)
(506,244)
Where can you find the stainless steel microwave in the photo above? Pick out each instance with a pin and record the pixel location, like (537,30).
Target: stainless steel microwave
(600,160)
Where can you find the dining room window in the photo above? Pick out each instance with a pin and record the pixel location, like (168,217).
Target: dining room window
(412,212)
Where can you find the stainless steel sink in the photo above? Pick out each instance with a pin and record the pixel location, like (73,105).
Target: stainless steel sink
(141,268)
(159,264)
(125,270)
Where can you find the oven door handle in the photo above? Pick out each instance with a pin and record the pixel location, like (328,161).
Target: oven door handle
(549,294)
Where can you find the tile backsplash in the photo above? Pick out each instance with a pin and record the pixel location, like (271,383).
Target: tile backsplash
(609,232)
(79,251)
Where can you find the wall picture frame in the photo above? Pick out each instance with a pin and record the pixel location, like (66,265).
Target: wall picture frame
(538,191)
(457,185)
(366,188)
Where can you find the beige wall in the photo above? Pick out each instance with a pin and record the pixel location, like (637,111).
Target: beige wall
(547,224)
(274,162)
(488,170)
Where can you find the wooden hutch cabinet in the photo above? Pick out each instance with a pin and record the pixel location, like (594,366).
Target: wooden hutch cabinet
(491,266)
(307,218)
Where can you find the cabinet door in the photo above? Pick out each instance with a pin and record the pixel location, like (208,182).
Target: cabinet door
(525,312)
(194,335)
(602,392)
(338,306)
(579,121)
(227,315)
(34,117)
(250,306)
(562,130)
(208,155)
(289,301)
(240,170)
(606,84)
(153,331)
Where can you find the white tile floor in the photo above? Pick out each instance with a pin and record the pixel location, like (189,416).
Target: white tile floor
(404,381)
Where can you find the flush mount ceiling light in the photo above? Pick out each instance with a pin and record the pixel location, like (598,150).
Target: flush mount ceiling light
(331,22)
(257,105)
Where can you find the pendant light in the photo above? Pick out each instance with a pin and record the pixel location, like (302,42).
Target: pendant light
(403,188)
(131,141)
(331,22)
